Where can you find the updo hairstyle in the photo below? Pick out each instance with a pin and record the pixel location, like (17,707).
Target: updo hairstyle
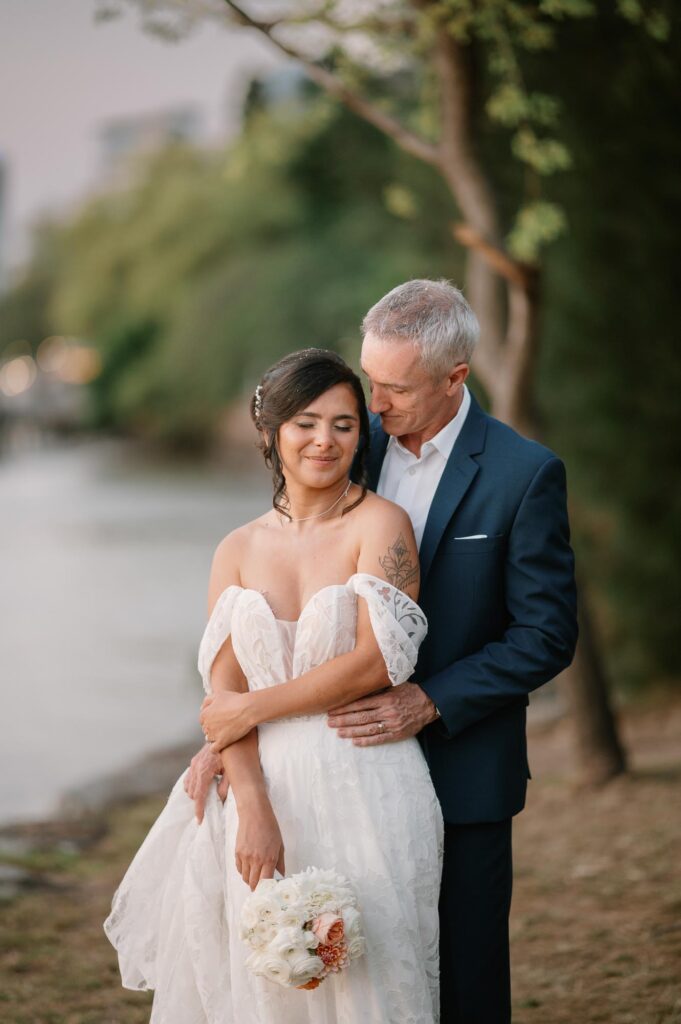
(290,386)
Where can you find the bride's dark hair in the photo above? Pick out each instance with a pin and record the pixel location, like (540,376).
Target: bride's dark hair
(287,388)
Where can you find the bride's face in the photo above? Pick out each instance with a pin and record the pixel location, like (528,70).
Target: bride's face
(317,446)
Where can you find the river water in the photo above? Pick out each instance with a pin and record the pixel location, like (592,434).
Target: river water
(104,562)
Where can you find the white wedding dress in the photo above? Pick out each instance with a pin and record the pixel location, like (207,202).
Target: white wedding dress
(370,813)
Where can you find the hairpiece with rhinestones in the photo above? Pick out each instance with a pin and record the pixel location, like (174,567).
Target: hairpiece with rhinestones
(257,407)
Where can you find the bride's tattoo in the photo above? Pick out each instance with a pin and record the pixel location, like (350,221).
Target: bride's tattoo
(398,566)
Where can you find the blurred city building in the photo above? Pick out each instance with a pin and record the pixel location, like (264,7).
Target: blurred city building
(286,84)
(124,140)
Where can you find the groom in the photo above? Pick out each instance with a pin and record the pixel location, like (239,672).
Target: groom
(489,513)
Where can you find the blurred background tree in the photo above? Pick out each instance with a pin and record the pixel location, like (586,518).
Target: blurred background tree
(194,278)
(213,264)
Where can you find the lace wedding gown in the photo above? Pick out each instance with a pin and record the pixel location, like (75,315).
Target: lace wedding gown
(368,812)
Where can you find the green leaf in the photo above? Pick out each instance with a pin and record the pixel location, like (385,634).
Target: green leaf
(538,36)
(400,201)
(559,9)
(510,105)
(536,225)
(657,26)
(631,10)
(546,156)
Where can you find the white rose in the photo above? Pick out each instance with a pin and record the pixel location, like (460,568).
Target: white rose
(266,965)
(268,906)
(356,947)
(266,885)
(264,932)
(287,891)
(304,967)
(249,916)
(311,940)
(288,940)
(292,917)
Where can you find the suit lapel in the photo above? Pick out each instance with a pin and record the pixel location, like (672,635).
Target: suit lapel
(378,445)
(458,475)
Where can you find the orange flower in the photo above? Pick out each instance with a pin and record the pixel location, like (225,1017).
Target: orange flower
(329,929)
(333,957)
(312,983)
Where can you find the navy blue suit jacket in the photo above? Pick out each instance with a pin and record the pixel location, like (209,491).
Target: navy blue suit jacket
(501,610)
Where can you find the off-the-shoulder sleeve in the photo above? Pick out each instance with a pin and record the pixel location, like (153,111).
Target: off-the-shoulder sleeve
(398,623)
(216,632)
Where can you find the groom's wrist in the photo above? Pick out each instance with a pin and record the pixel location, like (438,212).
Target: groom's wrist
(433,709)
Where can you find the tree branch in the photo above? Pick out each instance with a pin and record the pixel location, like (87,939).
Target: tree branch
(405,139)
(459,163)
(468,184)
(514,272)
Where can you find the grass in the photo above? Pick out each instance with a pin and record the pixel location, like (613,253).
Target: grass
(595,925)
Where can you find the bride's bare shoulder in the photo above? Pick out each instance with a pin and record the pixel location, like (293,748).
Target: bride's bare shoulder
(234,549)
(387,546)
(378,513)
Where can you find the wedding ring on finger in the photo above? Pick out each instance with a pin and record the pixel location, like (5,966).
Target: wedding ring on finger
(381,726)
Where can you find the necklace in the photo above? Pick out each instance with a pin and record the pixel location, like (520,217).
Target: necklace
(318,515)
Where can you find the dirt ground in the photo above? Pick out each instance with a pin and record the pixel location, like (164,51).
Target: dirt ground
(596,919)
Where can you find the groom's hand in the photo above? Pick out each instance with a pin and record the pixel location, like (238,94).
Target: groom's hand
(203,768)
(394,714)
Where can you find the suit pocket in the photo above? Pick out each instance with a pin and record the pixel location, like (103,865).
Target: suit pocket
(473,547)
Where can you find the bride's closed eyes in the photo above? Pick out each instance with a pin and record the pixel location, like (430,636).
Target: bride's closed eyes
(343,430)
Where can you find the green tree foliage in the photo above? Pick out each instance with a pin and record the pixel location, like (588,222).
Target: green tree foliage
(214,264)
(611,369)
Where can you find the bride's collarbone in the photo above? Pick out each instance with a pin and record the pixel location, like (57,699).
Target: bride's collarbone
(289,567)
(300,552)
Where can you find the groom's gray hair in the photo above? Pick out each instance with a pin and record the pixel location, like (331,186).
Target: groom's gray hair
(433,315)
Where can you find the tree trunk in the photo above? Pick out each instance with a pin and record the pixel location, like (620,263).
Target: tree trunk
(506,361)
(601,755)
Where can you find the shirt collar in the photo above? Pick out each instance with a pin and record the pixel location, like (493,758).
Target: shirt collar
(445,439)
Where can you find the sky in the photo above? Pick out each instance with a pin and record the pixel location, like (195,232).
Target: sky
(62,75)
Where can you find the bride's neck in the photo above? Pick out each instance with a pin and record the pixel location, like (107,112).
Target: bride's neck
(307,503)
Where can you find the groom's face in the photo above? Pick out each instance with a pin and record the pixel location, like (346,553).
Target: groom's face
(405,396)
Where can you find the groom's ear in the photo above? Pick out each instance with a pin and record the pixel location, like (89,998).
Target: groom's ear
(456,377)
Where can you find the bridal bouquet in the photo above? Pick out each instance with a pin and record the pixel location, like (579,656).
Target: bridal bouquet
(302,928)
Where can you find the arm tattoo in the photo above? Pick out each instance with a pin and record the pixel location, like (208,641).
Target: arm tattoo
(398,566)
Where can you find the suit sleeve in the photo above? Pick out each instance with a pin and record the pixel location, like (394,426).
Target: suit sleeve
(541,632)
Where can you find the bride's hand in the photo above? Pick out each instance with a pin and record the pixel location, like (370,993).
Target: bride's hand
(225,718)
(259,847)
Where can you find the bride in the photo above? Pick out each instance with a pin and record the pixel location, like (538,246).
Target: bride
(311,606)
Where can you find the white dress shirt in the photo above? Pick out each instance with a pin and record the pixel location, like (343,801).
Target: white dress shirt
(410,480)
